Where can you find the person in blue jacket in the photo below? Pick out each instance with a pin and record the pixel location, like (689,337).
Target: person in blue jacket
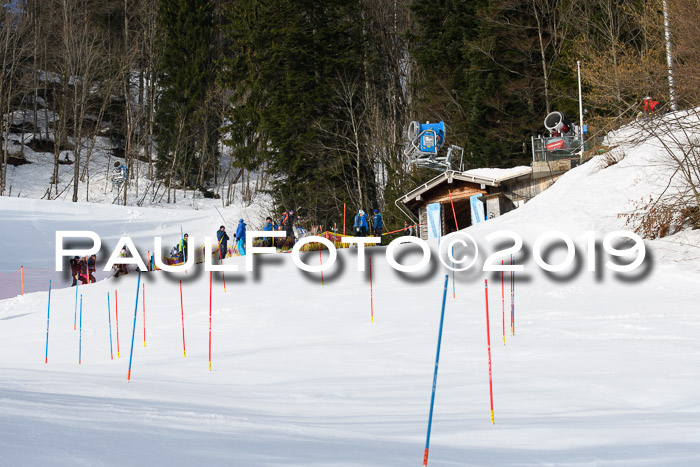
(378,225)
(363,223)
(222,238)
(268,228)
(240,236)
(356,223)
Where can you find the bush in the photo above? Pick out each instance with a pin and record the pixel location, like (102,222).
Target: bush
(659,219)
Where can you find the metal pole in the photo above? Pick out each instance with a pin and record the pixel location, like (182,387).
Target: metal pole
(669,58)
(580,105)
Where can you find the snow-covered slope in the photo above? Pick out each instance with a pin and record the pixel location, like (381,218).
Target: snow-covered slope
(603,369)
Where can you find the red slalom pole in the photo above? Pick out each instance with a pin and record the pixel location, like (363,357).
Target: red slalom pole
(321,259)
(453,209)
(144,314)
(503,306)
(343,219)
(210,279)
(116,315)
(488,342)
(371,298)
(182,314)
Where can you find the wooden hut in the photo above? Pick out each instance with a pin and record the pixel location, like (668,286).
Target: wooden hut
(458,195)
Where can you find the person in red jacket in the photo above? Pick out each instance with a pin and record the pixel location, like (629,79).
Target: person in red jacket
(649,105)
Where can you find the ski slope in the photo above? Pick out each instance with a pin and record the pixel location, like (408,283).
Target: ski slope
(603,369)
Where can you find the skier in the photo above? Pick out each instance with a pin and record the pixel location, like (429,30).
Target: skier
(240,236)
(182,249)
(75,269)
(223,239)
(268,228)
(378,225)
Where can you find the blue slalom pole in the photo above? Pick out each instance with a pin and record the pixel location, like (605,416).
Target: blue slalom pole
(437,361)
(75,312)
(454,296)
(512,299)
(80,339)
(133,330)
(109,320)
(48,313)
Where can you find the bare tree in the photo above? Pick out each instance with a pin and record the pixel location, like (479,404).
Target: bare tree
(346,139)
(685,25)
(621,46)
(14,48)
(79,61)
(677,137)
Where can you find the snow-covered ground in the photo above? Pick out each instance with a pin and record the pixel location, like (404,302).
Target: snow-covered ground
(33,179)
(603,369)
(30,221)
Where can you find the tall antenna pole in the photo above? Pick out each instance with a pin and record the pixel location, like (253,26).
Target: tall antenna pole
(580,104)
(669,59)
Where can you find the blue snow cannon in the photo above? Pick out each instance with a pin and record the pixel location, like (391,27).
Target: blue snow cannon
(430,136)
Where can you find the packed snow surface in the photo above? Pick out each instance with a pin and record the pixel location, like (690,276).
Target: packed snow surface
(603,367)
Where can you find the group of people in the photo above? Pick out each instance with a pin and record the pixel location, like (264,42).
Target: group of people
(361,224)
(223,238)
(287,221)
(83,269)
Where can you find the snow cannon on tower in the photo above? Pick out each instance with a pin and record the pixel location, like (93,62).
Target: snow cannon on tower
(563,142)
(424,146)
(558,125)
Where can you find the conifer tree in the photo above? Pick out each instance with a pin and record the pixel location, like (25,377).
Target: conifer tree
(186,126)
(284,61)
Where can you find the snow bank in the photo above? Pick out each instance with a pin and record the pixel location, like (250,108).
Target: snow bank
(602,370)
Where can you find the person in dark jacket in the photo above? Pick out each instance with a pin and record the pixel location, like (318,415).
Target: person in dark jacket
(91,268)
(378,224)
(75,269)
(223,239)
(289,229)
(240,237)
(84,272)
(407,229)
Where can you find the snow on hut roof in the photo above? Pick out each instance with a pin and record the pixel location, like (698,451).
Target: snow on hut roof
(497,175)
